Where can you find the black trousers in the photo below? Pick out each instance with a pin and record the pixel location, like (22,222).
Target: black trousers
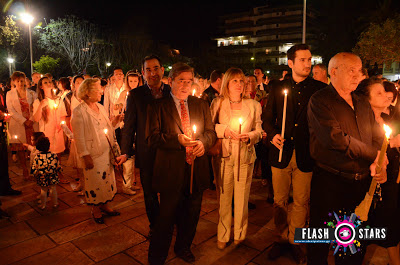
(330,192)
(5,185)
(178,207)
(150,197)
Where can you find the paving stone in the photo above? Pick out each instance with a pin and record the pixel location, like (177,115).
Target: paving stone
(139,224)
(126,214)
(212,216)
(21,212)
(15,233)
(261,215)
(120,201)
(25,249)
(209,202)
(72,199)
(5,222)
(262,259)
(140,252)
(65,254)
(60,219)
(108,242)
(75,231)
(205,230)
(259,237)
(119,259)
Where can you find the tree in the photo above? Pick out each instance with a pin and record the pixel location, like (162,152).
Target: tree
(9,34)
(380,42)
(72,39)
(46,64)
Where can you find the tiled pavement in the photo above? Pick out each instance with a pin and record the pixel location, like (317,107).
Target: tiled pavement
(68,235)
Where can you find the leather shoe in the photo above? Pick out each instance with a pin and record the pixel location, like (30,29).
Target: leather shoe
(221,245)
(186,255)
(112,213)
(298,254)
(99,220)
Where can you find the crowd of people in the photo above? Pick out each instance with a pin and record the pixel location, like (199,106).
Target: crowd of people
(314,141)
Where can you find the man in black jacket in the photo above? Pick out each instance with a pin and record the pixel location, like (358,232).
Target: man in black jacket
(296,165)
(135,123)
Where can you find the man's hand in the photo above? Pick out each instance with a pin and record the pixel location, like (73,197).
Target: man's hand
(264,135)
(198,149)
(121,159)
(229,134)
(186,141)
(88,162)
(117,119)
(277,141)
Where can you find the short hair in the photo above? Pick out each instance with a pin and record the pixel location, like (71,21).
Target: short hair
(179,68)
(43,144)
(260,68)
(228,76)
(76,77)
(118,68)
(291,53)
(65,83)
(322,66)
(103,82)
(17,75)
(37,135)
(215,75)
(86,87)
(49,75)
(390,87)
(365,85)
(150,57)
(253,76)
(35,73)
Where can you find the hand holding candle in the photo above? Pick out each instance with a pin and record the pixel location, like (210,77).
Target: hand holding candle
(240,132)
(117,169)
(192,166)
(283,122)
(66,130)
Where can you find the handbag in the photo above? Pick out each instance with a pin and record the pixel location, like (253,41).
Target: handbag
(216,149)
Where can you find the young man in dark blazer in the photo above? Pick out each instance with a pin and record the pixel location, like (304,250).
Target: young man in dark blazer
(178,147)
(135,124)
(296,165)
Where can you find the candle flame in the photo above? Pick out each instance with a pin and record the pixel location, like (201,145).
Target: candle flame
(105,131)
(240,121)
(62,122)
(285,91)
(388,131)
(55,105)
(194,128)
(194,92)
(15,136)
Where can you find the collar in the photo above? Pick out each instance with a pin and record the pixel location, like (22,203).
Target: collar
(177,100)
(161,88)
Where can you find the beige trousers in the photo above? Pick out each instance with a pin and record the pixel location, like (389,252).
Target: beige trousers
(129,172)
(301,182)
(229,186)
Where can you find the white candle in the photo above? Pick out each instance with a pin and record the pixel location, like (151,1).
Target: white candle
(66,130)
(194,92)
(194,132)
(283,123)
(240,141)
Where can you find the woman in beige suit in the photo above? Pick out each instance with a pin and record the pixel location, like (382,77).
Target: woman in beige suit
(19,104)
(231,108)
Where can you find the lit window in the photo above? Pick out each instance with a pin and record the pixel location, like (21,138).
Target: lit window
(245,42)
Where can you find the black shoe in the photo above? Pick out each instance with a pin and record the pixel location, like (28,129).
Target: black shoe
(186,255)
(99,220)
(298,254)
(277,250)
(150,234)
(11,192)
(112,213)
(251,206)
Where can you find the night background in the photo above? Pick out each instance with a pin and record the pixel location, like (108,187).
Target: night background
(191,26)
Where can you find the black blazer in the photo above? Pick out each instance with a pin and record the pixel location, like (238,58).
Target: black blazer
(135,122)
(296,125)
(162,134)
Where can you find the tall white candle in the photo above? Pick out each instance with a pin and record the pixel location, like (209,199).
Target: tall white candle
(283,123)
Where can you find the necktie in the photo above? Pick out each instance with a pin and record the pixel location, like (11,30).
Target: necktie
(186,129)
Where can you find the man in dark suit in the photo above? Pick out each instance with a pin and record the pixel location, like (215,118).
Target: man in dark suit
(135,123)
(169,131)
(296,165)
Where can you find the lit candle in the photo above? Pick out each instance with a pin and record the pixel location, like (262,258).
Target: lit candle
(54,91)
(105,131)
(16,138)
(283,123)
(66,130)
(240,132)
(194,132)
(117,169)
(194,92)
(192,166)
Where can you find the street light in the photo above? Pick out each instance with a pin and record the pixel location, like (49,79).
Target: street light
(27,19)
(107,65)
(10,62)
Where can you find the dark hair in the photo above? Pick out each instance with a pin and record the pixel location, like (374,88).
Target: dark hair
(260,68)
(179,68)
(291,53)
(253,76)
(364,86)
(103,82)
(43,144)
(37,135)
(150,57)
(215,75)
(64,81)
(133,74)
(76,77)
(118,68)
(322,66)
(17,75)
(390,87)
(39,90)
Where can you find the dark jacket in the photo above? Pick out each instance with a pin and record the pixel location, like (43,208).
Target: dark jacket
(296,127)
(135,122)
(209,94)
(162,135)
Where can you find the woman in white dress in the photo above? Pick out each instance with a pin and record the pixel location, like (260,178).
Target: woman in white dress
(49,111)
(92,127)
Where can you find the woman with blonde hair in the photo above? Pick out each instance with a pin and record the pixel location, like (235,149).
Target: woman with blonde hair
(228,111)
